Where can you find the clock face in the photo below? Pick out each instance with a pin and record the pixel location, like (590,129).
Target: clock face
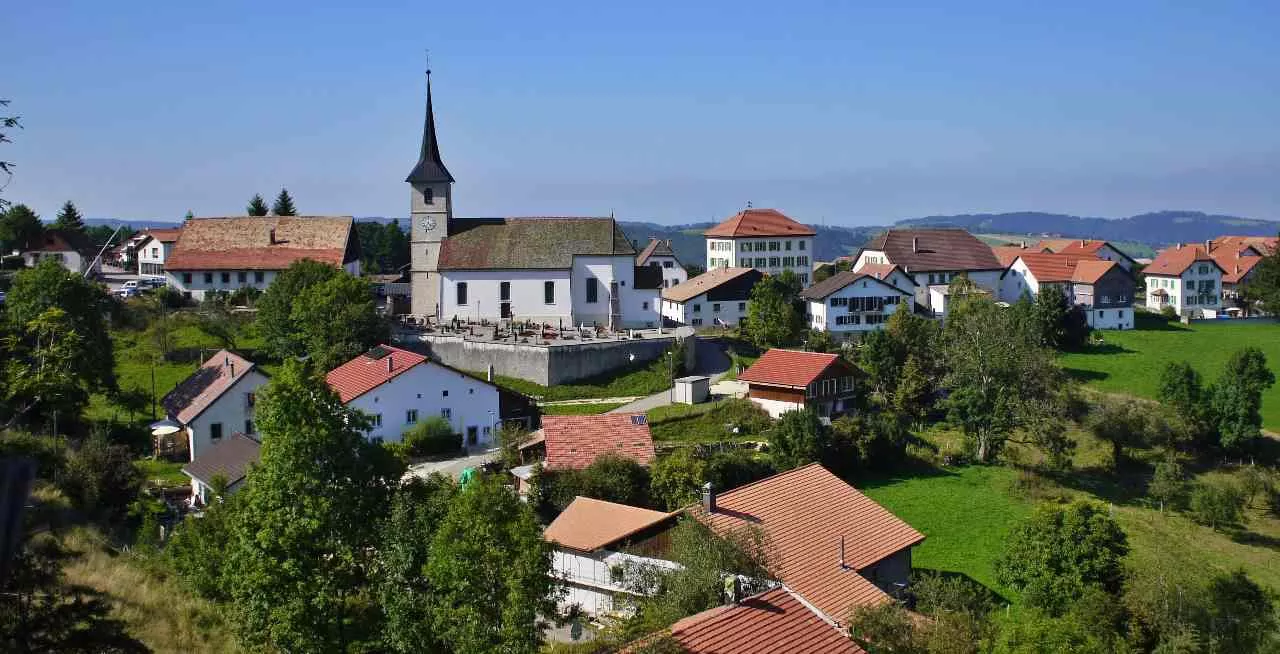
(428,224)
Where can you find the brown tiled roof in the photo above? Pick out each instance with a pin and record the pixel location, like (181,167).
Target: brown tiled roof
(1082,246)
(1263,244)
(772,622)
(245,243)
(924,250)
(214,377)
(1235,265)
(52,239)
(657,247)
(707,281)
(759,222)
(573,442)
(1050,266)
(1089,271)
(1007,253)
(1173,261)
(230,458)
(883,271)
(370,370)
(778,367)
(589,524)
(840,280)
(164,235)
(804,513)
(529,243)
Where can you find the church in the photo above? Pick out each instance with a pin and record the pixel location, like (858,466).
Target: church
(554,270)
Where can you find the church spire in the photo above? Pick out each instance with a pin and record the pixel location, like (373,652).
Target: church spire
(430,169)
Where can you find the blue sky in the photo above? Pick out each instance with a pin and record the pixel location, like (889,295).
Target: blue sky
(835,112)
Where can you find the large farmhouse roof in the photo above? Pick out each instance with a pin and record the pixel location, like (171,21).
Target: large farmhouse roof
(778,367)
(1262,244)
(925,250)
(589,524)
(707,281)
(370,370)
(529,243)
(811,521)
(229,458)
(573,442)
(214,377)
(776,621)
(759,222)
(262,242)
(842,279)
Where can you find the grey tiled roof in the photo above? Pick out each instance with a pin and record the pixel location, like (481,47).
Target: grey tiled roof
(529,243)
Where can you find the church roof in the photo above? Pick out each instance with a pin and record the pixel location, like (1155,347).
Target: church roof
(529,243)
(430,168)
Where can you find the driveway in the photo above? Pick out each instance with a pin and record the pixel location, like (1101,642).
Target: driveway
(451,467)
(711,360)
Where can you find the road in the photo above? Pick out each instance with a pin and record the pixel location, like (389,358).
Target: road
(712,361)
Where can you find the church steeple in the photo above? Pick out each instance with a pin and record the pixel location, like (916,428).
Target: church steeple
(430,169)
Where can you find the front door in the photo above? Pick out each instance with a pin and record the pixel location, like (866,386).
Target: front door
(473,435)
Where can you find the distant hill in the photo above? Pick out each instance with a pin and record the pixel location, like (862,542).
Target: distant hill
(1155,229)
(690,246)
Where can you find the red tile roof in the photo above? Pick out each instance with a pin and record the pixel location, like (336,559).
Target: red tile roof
(1007,253)
(773,622)
(370,370)
(883,271)
(759,222)
(933,249)
(1089,271)
(804,513)
(589,524)
(1173,261)
(214,377)
(1050,266)
(573,442)
(1263,244)
(794,368)
(164,235)
(247,243)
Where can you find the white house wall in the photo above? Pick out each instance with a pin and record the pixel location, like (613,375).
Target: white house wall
(673,273)
(604,270)
(700,312)
(483,288)
(823,316)
(152,254)
(198,286)
(775,408)
(231,410)
(470,402)
(1118,318)
(729,252)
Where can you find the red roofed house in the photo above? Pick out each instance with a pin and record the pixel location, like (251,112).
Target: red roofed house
(215,402)
(787,380)
(1186,278)
(397,388)
(778,620)
(154,248)
(765,239)
(933,257)
(1103,289)
(71,249)
(224,254)
(1091,248)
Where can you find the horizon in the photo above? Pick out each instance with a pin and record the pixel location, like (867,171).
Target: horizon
(839,116)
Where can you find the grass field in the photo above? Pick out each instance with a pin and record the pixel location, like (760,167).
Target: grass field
(708,422)
(1130,361)
(591,409)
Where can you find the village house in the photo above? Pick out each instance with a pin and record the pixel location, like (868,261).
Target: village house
(225,254)
(776,620)
(1187,279)
(72,250)
(765,239)
(227,461)
(575,442)
(850,303)
(1103,289)
(715,298)
(1091,248)
(1238,256)
(562,270)
(153,249)
(397,388)
(216,401)
(933,257)
(790,380)
(658,254)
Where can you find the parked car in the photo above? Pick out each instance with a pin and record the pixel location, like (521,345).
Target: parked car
(127,292)
(132,283)
(153,282)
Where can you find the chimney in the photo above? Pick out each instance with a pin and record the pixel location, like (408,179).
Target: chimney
(1179,246)
(1084,242)
(390,363)
(1208,244)
(842,563)
(489,373)
(915,243)
(1022,244)
(272,235)
(708,498)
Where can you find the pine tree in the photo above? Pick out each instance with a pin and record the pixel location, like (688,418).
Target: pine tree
(69,219)
(257,206)
(284,205)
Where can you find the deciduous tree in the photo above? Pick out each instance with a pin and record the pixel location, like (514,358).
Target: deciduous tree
(417,510)
(49,286)
(19,226)
(1263,286)
(771,316)
(799,438)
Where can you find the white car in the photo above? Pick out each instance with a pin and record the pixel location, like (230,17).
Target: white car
(127,292)
(133,284)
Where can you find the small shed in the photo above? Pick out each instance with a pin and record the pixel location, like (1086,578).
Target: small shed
(692,389)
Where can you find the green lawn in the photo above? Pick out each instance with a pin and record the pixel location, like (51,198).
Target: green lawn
(168,473)
(1130,361)
(964,514)
(708,422)
(589,409)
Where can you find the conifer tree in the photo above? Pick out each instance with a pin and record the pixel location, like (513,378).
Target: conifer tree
(69,218)
(284,205)
(257,206)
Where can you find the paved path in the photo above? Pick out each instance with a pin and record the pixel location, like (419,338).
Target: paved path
(451,467)
(712,361)
(599,400)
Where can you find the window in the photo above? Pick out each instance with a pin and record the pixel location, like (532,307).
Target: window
(444,393)
(208,278)
(804,278)
(773,262)
(745,247)
(593,291)
(242,277)
(760,246)
(773,246)
(248,427)
(259,276)
(548,292)
(377,420)
(761,262)
(801,246)
(215,432)
(504,291)
(697,321)
(788,262)
(186,278)
(447,414)
(697,308)
(666,264)
(249,400)
(715,307)
(428,195)
(473,434)
(411,416)
(226,278)
(788,247)
(644,306)
(155,253)
(742,306)
(802,261)
(461,288)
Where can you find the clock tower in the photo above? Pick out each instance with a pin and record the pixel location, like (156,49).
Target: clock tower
(431,210)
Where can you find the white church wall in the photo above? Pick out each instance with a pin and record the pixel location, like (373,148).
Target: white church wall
(527,295)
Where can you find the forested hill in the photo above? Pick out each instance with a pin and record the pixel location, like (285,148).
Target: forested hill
(690,247)
(1155,228)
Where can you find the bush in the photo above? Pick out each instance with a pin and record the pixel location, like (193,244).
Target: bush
(101,476)
(611,478)
(1217,505)
(431,437)
(1168,485)
(1168,313)
(799,438)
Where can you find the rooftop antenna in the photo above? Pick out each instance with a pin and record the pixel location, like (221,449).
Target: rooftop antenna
(748,204)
